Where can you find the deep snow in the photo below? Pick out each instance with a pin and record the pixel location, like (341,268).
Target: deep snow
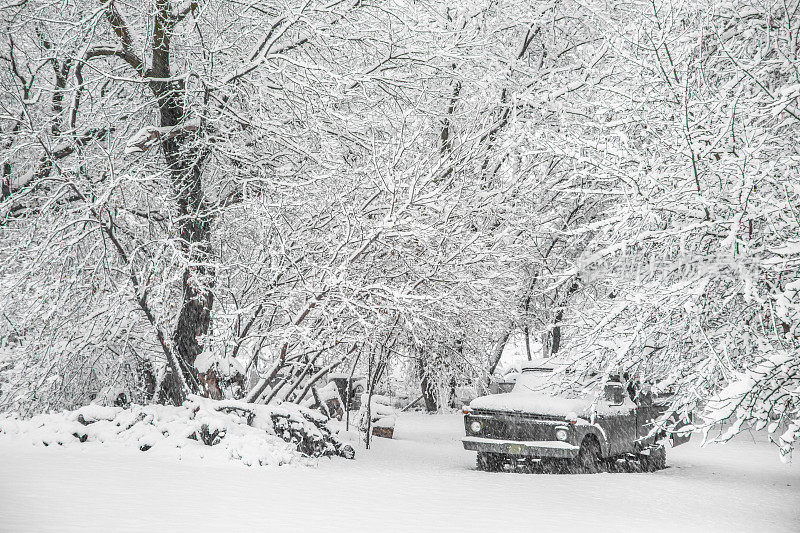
(421,481)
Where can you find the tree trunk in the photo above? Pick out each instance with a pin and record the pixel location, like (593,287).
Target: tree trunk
(527,332)
(368,432)
(555,332)
(453,397)
(546,338)
(555,335)
(498,351)
(428,393)
(5,182)
(146,378)
(184,159)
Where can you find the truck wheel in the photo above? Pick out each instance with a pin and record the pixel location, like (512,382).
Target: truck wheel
(489,462)
(588,459)
(657,460)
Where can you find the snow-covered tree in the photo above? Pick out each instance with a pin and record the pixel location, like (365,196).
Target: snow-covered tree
(207,197)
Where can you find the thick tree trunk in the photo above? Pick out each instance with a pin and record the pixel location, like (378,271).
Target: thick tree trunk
(185,159)
(429,395)
(146,378)
(194,232)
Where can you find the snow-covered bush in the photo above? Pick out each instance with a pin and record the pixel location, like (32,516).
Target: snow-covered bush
(253,434)
(766,395)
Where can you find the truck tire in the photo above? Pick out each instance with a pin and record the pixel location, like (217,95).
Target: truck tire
(656,460)
(489,462)
(588,460)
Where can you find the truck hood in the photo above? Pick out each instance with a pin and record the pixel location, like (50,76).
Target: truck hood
(532,403)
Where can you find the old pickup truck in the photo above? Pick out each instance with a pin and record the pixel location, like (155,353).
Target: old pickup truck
(549,421)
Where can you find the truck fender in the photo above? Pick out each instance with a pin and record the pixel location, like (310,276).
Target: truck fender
(600,434)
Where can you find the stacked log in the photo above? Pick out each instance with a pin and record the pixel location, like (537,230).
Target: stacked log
(382,416)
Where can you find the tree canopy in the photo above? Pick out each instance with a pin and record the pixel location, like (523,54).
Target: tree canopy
(211,196)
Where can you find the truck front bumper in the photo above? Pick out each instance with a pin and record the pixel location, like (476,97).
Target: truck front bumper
(541,449)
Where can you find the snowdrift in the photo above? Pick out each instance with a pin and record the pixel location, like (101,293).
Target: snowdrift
(256,435)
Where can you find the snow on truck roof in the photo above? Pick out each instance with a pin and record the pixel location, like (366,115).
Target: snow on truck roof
(537,368)
(543,365)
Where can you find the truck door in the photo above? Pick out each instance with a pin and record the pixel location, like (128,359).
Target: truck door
(616,415)
(646,415)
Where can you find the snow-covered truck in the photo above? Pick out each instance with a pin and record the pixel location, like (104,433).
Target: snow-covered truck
(549,420)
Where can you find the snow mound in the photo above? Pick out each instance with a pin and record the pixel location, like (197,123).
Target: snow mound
(256,435)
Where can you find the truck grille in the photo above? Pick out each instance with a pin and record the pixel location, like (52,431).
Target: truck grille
(511,427)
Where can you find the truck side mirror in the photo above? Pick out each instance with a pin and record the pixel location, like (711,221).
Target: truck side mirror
(614,393)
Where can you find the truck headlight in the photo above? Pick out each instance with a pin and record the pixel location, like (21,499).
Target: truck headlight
(475,426)
(562,434)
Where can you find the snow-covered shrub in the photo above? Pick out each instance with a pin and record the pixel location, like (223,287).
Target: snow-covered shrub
(766,395)
(253,434)
(37,377)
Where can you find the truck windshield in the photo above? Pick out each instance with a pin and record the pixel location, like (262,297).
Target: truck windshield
(539,380)
(552,382)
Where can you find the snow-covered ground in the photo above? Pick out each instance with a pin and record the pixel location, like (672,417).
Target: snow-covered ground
(420,481)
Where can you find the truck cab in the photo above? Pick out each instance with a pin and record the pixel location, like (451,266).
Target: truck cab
(551,418)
